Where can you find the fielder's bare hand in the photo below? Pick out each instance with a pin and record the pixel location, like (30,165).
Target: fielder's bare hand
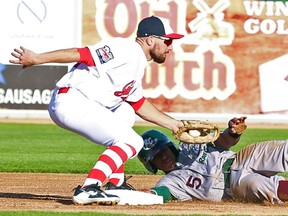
(23,56)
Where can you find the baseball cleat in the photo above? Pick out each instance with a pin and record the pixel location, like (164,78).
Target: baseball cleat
(92,194)
(124,186)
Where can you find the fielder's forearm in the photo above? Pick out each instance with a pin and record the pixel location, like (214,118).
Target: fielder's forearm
(58,56)
(150,113)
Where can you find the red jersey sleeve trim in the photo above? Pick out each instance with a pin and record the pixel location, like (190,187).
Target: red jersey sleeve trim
(137,105)
(85,56)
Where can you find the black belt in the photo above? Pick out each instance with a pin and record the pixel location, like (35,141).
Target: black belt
(226,171)
(63,90)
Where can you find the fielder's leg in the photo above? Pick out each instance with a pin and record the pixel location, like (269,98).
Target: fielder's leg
(90,119)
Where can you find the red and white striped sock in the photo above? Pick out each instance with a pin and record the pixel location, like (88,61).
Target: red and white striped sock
(117,177)
(111,160)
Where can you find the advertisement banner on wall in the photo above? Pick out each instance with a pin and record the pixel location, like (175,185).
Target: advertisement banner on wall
(231,60)
(221,64)
(39,25)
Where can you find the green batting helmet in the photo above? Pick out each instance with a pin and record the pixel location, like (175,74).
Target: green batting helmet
(154,141)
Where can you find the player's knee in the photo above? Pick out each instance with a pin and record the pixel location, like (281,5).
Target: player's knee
(252,186)
(138,144)
(257,192)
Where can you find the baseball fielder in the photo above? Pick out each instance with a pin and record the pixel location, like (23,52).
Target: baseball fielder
(214,173)
(99,97)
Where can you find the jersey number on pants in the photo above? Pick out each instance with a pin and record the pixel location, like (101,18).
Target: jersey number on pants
(194,182)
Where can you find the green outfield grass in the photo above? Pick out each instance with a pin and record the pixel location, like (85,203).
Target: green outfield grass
(49,149)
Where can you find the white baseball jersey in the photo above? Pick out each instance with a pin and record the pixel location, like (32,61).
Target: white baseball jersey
(97,94)
(253,172)
(117,76)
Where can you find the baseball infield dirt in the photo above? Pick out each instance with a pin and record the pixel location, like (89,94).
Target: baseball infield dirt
(52,192)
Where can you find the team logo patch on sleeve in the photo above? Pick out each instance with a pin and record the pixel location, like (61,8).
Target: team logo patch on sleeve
(104,54)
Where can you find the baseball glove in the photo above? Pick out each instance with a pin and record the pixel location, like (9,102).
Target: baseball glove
(196,131)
